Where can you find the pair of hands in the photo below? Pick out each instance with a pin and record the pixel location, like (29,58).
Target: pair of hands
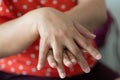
(62,40)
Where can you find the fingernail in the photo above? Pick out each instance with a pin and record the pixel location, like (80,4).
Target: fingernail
(53,65)
(74,61)
(87,70)
(98,56)
(62,75)
(38,67)
(93,35)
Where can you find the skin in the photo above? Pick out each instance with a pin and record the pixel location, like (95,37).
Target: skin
(84,15)
(117,79)
(72,36)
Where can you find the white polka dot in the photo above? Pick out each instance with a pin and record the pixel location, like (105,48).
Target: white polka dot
(55,1)
(37,47)
(30,0)
(32,55)
(24,73)
(48,74)
(7,10)
(63,6)
(20,67)
(1,8)
(24,7)
(2,66)
(10,7)
(9,62)
(28,62)
(43,1)
(15,1)
(34,70)
(12,69)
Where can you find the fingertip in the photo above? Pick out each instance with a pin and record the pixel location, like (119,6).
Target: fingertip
(39,67)
(98,56)
(74,61)
(62,75)
(53,65)
(93,36)
(87,70)
(69,64)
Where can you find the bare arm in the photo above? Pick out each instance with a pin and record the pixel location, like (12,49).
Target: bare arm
(15,36)
(89,13)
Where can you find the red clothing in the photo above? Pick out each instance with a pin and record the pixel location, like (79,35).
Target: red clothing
(25,63)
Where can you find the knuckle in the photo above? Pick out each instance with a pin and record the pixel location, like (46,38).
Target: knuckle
(62,33)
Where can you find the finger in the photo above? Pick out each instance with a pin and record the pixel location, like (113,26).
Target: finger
(71,57)
(58,55)
(43,50)
(85,44)
(67,62)
(83,63)
(72,47)
(51,59)
(61,71)
(84,31)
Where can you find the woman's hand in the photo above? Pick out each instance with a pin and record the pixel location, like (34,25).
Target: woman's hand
(57,32)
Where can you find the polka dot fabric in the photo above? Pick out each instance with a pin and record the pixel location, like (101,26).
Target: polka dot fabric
(25,63)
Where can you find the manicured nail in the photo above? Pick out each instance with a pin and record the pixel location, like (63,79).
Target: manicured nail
(62,75)
(69,64)
(87,70)
(38,67)
(74,61)
(53,65)
(98,56)
(93,35)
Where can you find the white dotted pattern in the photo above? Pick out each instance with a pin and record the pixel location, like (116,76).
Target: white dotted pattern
(12,69)
(28,62)
(55,2)
(32,56)
(10,62)
(24,6)
(1,8)
(20,67)
(43,1)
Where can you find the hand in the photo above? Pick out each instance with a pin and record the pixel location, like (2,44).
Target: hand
(57,32)
(68,60)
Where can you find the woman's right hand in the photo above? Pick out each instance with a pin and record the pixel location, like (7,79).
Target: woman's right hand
(57,32)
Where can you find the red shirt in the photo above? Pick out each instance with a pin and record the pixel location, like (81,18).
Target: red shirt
(25,63)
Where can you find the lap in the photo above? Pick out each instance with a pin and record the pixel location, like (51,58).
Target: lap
(99,72)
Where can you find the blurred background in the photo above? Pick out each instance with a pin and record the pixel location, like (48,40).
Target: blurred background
(111,48)
(114,7)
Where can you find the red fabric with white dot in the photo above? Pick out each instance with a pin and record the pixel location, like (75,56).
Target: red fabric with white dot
(25,63)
